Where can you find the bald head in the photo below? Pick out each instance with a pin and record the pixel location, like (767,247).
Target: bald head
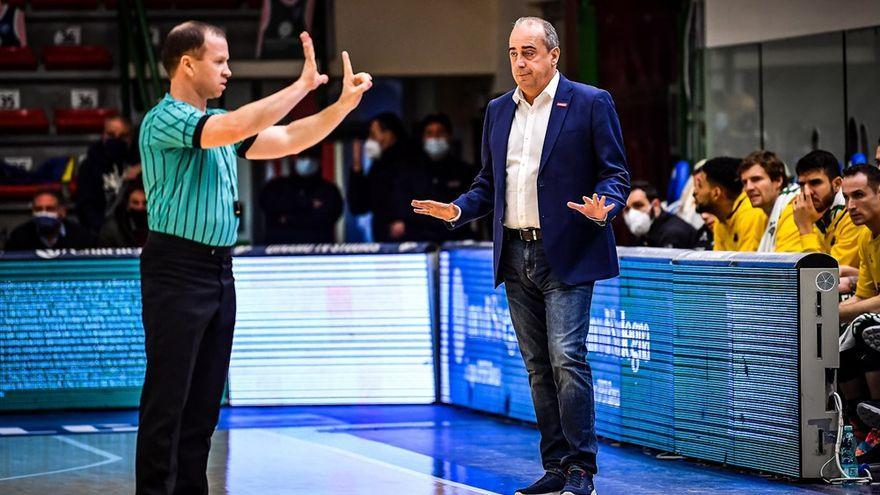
(550,38)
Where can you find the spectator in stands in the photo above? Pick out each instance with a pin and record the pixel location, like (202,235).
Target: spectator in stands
(127,226)
(765,182)
(821,217)
(49,227)
(859,373)
(877,155)
(378,191)
(109,163)
(12,31)
(302,208)
(438,174)
(718,190)
(651,224)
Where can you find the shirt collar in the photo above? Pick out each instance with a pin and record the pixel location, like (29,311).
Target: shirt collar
(549,90)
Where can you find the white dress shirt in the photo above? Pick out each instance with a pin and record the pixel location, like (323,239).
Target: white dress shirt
(524,146)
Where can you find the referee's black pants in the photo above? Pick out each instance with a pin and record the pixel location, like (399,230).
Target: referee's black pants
(189,313)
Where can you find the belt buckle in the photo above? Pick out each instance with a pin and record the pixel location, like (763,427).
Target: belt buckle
(528,235)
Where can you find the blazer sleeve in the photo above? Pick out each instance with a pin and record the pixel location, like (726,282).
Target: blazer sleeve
(610,158)
(478,201)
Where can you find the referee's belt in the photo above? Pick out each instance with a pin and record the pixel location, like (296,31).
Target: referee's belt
(527,235)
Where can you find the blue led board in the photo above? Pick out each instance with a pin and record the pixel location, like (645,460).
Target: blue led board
(349,329)
(681,359)
(70,333)
(315,325)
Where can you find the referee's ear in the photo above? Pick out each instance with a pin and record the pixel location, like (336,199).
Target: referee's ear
(186,63)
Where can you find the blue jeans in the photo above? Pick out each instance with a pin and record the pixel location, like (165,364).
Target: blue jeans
(551,320)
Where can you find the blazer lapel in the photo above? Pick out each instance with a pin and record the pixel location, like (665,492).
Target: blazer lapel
(499,142)
(557,116)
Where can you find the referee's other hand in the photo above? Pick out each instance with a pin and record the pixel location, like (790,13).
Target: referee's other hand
(310,78)
(353,85)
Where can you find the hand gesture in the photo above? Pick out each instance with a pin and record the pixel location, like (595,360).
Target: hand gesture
(310,77)
(593,208)
(805,214)
(443,211)
(353,85)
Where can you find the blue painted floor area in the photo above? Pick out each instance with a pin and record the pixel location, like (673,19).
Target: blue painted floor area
(457,450)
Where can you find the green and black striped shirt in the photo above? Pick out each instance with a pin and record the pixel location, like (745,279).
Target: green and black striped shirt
(191,191)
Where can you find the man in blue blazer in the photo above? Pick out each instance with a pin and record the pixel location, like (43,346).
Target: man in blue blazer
(553,175)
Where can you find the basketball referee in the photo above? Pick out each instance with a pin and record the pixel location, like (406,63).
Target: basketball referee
(189,168)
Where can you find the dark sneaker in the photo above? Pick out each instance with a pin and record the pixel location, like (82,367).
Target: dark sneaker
(870,332)
(869,412)
(549,484)
(578,482)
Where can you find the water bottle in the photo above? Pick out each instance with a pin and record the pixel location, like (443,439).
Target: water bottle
(848,453)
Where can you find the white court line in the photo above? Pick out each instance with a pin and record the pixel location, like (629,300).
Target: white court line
(13,431)
(377,426)
(380,463)
(108,458)
(80,428)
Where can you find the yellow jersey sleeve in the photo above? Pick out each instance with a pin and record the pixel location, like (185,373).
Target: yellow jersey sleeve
(749,227)
(844,241)
(789,238)
(813,242)
(722,236)
(866,287)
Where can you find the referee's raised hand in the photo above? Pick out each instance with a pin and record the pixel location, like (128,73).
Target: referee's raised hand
(353,85)
(310,77)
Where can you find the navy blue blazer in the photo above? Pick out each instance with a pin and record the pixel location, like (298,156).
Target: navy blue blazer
(583,154)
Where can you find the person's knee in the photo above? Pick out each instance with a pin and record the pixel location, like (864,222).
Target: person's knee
(569,358)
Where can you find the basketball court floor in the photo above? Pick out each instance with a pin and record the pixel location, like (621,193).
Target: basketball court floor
(351,450)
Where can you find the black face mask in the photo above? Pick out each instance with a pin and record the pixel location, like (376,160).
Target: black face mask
(138,219)
(116,149)
(47,227)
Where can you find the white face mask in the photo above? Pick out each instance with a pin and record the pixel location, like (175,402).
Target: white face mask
(637,221)
(372,149)
(46,214)
(436,148)
(306,167)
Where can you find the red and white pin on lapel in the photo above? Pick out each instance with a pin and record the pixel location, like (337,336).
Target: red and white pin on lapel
(561,104)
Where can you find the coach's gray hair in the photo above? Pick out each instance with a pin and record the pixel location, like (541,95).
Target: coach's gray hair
(551,39)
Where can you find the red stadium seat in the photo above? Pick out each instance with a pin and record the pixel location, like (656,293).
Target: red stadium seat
(148,4)
(64,4)
(82,120)
(25,192)
(23,121)
(76,57)
(207,4)
(17,58)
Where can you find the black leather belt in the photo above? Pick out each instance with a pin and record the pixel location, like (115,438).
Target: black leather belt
(527,235)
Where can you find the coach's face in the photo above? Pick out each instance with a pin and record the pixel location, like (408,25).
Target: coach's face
(210,71)
(531,63)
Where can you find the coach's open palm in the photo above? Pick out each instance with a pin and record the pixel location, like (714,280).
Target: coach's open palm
(593,208)
(436,209)
(353,85)
(310,77)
